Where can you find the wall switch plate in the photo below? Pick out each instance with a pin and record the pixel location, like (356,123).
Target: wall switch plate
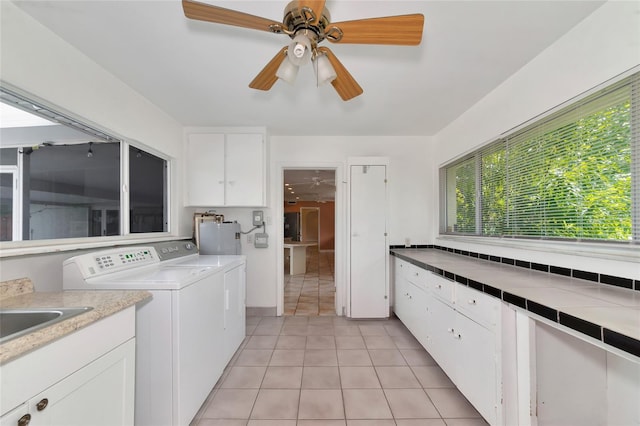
(258,217)
(261,241)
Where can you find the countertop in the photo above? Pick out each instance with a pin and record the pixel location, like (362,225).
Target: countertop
(602,311)
(19,294)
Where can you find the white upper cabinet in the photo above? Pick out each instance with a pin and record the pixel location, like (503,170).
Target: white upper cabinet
(225,169)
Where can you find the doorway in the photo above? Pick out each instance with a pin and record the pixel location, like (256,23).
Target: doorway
(310,204)
(310,224)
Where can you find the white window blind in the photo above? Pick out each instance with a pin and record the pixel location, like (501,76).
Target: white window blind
(572,175)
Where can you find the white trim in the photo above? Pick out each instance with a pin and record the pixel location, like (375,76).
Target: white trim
(16,208)
(620,252)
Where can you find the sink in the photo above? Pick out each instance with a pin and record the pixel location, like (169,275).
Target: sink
(18,322)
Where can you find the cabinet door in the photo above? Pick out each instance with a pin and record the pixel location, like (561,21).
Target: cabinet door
(442,347)
(400,294)
(419,314)
(245,170)
(368,242)
(100,394)
(204,166)
(234,310)
(476,376)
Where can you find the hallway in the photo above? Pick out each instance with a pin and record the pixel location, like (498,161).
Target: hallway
(312,293)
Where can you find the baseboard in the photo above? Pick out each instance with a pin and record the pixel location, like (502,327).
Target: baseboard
(259,311)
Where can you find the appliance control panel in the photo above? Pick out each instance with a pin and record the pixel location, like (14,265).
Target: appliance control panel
(175,249)
(113,260)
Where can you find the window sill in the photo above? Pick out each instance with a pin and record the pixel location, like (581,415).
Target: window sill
(23,248)
(618,252)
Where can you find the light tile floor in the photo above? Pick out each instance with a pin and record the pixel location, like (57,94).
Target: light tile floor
(312,293)
(312,368)
(322,370)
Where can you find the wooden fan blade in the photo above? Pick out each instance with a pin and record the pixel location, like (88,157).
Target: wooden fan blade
(398,30)
(219,15)
(267,77)
(316,5)
(344,83)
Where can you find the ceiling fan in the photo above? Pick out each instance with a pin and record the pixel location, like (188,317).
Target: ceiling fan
(315,181)
(308,23)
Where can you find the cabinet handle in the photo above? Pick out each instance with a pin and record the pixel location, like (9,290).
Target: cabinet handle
(457,336)
(410,297)
(472,301)
(417,274)
(42,404)
(439,286)
(24,420)
(450,330)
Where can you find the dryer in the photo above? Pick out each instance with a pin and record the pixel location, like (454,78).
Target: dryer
(179,355)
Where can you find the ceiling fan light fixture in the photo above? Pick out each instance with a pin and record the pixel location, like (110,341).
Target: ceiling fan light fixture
(300,48)
(287,71)
(325,73)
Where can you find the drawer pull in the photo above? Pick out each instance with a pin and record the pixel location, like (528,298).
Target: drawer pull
(24,420)
(450,330)
(457,336)
(42,404)
(439,286)
(472,301)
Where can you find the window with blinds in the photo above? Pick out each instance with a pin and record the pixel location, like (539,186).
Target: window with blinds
(572,175)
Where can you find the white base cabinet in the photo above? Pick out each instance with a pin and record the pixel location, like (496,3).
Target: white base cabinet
(86,378)
(457,325)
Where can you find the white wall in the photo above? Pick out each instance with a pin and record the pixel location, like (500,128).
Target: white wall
(604,45)
(37,61)
(410,191)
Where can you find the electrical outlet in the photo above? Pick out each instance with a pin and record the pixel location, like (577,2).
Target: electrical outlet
(250,239)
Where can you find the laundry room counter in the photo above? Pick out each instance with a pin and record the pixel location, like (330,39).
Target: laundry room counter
(19,294)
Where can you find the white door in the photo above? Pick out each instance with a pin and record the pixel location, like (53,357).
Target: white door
(368,267)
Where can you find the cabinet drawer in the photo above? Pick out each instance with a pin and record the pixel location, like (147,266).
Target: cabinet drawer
(417,276)
(478,306)
(442,288)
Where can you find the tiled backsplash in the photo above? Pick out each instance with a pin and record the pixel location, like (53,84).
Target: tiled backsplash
(567,272)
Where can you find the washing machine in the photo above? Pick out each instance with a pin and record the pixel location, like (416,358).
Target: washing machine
(179,331)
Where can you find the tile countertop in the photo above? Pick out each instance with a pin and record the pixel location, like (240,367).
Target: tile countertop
(605,312)
(104,303)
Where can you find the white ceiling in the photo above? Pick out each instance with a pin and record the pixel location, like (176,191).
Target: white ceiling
(199,72)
